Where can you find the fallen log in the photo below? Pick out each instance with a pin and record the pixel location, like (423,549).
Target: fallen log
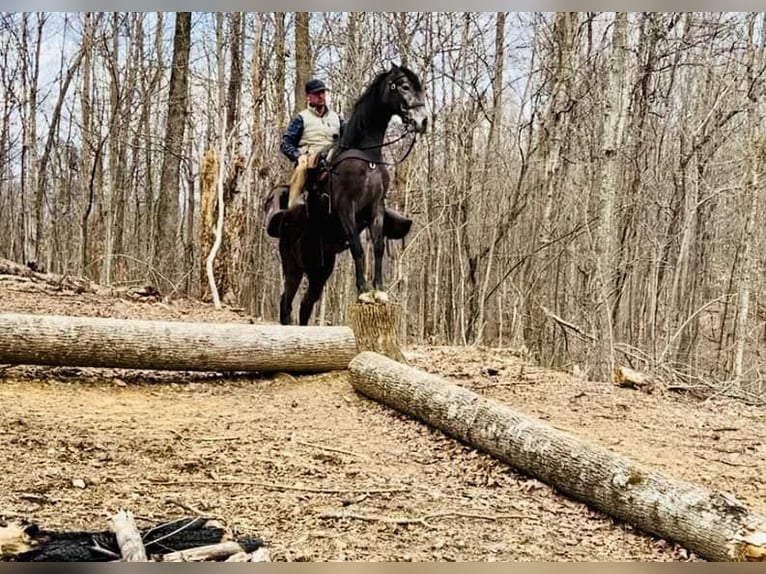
(172,345)
(627,377)
(76,284)
(213,552)
(713,524)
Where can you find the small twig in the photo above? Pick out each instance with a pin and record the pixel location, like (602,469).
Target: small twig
(101,550)
(507,384)
(182,436)
(172,533)
(188,507)
(722,461)
(567,324)
(276,486)
(215,438)
(728,450)
(41,498)
(423,520)
(321,447)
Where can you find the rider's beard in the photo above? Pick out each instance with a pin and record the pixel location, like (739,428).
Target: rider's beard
(318,107)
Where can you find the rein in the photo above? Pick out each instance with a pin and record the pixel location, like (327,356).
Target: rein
(365,158)
(384,144)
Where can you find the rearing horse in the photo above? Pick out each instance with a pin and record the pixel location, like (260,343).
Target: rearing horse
(359,177)
(349,197)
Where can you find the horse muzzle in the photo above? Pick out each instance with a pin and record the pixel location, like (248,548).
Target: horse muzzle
(417,120)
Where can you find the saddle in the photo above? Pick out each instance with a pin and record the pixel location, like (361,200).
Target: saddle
(395,225)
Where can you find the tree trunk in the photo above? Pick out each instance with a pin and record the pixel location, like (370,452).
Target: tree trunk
(235,78)
(165,345)
(88,139)
(756,160)
(167,210)
(709,523)
(556,118)
(40,175)
(207,215)
(29,138)
(302,57)
(491,158)
(279,73)
(606,255)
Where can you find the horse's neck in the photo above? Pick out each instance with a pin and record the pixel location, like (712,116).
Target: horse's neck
(368,135)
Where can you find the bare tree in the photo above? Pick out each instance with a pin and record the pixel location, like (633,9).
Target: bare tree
(233,95)
(614,115)
(167,203)
(303,57)
(756,166)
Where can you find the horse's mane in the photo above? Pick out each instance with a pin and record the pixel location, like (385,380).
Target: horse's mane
(355,127)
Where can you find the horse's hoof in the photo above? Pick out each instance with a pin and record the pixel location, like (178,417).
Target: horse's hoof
(380,296)
(366,298)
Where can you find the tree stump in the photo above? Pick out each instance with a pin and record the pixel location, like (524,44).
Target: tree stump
(376,328)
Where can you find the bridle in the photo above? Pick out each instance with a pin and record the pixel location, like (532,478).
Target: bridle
(409,124)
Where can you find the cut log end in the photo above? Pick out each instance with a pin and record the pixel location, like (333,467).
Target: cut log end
(750,548)
(376,328)
(627,377)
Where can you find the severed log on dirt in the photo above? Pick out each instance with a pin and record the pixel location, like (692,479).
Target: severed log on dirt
(214,552)
(168,345)
(128,537)
(713,524)
(33,544)
(627,377)
(76,284)
(376,328)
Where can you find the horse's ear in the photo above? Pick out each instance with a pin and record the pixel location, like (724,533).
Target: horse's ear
(394,67)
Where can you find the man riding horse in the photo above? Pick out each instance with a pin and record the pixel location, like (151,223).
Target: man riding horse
(351,190)
(310,133)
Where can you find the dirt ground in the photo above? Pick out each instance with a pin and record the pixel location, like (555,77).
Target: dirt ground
(276,456)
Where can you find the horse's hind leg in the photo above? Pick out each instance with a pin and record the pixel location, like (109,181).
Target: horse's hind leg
(317,281)
(292,282)
(379,245)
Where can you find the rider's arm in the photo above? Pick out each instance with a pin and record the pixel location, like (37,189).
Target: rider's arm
(292,138)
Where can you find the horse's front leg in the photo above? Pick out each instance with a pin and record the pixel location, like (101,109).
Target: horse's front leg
(357,252)
(348,221)
(379,246)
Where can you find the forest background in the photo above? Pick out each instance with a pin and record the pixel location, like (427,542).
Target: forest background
(589,191)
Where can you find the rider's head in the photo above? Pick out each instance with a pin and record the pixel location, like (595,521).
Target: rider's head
(316,93)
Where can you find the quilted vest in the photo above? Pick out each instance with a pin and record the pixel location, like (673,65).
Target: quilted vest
(318,132)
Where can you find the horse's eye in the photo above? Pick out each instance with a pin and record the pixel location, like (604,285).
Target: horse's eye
(406,87)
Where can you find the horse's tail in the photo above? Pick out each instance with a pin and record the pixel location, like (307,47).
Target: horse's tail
(274,206)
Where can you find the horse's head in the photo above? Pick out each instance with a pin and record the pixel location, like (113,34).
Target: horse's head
(404,93)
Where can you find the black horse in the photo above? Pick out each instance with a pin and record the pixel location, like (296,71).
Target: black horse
(348,197)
